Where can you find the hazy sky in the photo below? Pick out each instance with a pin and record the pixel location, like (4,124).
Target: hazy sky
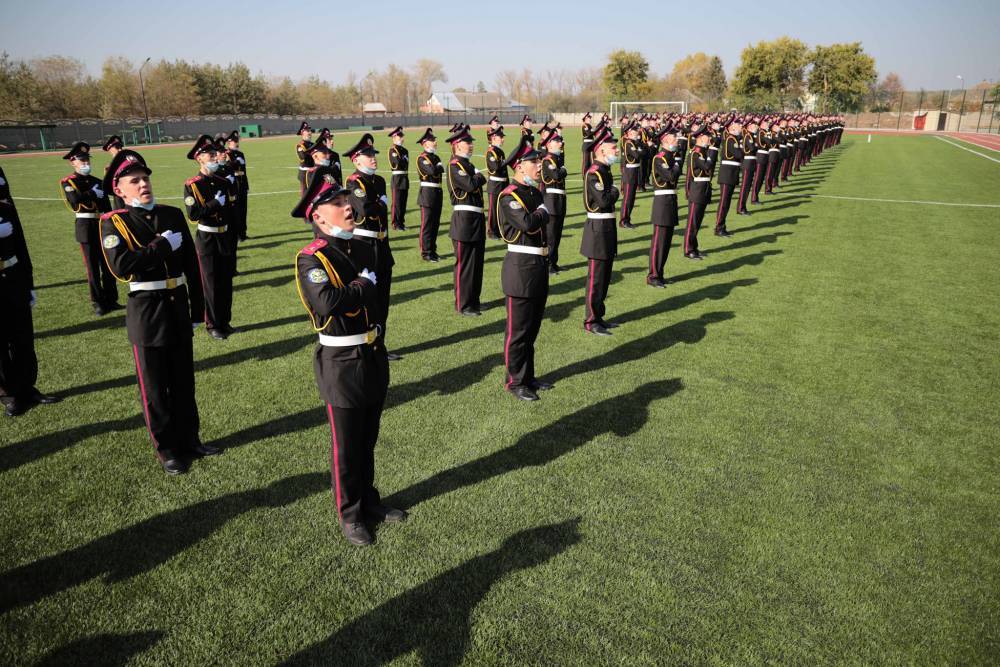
(928,43)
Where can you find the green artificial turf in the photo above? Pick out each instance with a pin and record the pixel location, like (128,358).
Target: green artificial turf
(789,455)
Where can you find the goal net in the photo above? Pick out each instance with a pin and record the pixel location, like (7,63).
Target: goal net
(619,109)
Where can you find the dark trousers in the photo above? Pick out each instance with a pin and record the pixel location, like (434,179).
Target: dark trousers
(18,363)
(166,392)
(382,289)
(773,169)
(598,280)
(758,180)
(492,225)
(746,185)
(102,284)
(240,221)
(399,198)
(696,213)
(217,285)
(430,222)
(786,168)
(659,247)
(588,158)
(725,200)
(629,185)
(553,235)
(524,319)
(468,274)
(354,432)
(302,181)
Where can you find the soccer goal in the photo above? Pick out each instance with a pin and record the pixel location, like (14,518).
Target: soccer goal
(618,109)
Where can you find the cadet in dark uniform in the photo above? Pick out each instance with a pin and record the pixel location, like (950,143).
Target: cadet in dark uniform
(763,159)
(524,277)
(701,164)
(431,197)
(399,163)
(111,147)
(322,160)
(495,123)
(748,167)
(468,224)
(633,151)
(497,174)
(325,139)
(588,139)
(206,201)
(554,184)
(600,236)
(731,161)
(302,153)
(666,172)
(526,122)
(86,198)
(227,171)
(18,362)
(370,244)
(238,163)
(149,246)
(350,363)
(773,159)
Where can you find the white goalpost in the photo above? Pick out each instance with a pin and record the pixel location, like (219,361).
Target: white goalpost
(619,108)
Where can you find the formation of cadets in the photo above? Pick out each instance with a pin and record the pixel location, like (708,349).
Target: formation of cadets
(178,266)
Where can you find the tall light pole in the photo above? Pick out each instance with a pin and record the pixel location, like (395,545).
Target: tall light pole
(142,90)
(961,109)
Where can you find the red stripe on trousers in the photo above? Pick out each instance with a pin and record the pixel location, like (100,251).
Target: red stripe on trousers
(336,459)
(687,232)
(590,295)
(458,275)
(145,400)
(506,347)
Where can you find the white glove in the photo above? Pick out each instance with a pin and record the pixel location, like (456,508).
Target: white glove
(97,191)
(221,198)
(173,238)
(542,207)
(231,178)
(6,229)
(34,298)
(3,181)
(385,200)
(368,275)
(477,169)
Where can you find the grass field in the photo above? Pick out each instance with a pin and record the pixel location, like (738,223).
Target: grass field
(790,455)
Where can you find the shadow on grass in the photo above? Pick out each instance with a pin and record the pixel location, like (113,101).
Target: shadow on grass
(21,453)
(140,548)
(108,650)
(403,624)
(96,324)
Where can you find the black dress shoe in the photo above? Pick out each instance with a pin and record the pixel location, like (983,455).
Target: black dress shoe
(598,330)
(385,513)
(435,258)
(174,465)
(426,258)
(702,255)
(523,393)
(656,282)
(541,385)
(43,399)
(627,225)
(16,406)
(724,232)
(692,255)
(469,312)
(99,310)
(357,533)
(228,330)
(218,334)
(744,212)
(201,449)
(113,306)
(610,325)
(392,356)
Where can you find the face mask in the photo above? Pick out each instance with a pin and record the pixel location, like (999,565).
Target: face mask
(323,163)
(464,156)
(556,151)
(212,167)
(366,170)
(83,169)
(342,234)
(398,143)
(138,204)
(528,180)
(431,150)
(612,159)
(672,147)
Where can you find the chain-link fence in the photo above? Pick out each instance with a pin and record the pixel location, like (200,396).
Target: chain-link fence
(971,111)
(15,136)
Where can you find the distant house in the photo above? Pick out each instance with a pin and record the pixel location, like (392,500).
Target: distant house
(441,102)
(374,109)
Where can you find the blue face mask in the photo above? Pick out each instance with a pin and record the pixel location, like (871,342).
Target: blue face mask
(528,180)
(138,204)
(212,167)
(83,169)
(366,170)
(612,159)
(323,163)
(343,234)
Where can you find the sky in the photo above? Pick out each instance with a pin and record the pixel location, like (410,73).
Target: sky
(927,43)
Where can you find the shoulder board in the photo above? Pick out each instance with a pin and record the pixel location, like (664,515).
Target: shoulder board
(67,178)
(454,160)
(311,249)
(593,169)
(117,211)
(352,177)
(510,189)
(193,179)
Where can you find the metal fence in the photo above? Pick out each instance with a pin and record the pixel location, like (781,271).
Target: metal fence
(937,110)
(42,135)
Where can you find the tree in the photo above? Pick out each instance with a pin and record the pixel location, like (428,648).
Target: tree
(171,89)
(425,73)
(842,74)
(283,98)
(242,93)
(770,74)
(64,89)
(18,89)
(625,74)
(699,73)
(480,87)
(120,92)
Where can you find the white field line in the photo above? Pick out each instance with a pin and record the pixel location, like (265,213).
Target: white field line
(952,143)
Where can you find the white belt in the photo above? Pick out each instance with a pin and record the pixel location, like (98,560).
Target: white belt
(303,168)
(239,173)
(713,148)
(498,178)
(367,233)
(588,141)
(731,162)
(750,159)
(90,216)
(664,192)
(632,166)
(786,145)
(527,249)
(212,230)
(600,216)
(347,341)
(775,150)
(702,179)
(466,207)
(7,263)
(169,283)
(425,184)
(761,150)
(397,172)
(555,191)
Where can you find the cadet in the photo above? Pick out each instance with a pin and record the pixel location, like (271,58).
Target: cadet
(749,165)
(554,184)
(322,160)
(350,364)
(399,163)
(238,161)
(588,138)
(763,158)
(526,122)
(666,172)
(370,244)
(205,199)
(731,156)
(498,180)
(467,231)
(18,363)
(631,172)
(600,237)
(111,147)
(325,139)
(86,199)
(302,153)
(701,164)
(149,246)
(524,277)
(430,197)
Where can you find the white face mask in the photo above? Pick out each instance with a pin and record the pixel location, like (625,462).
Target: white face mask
(138,204)
(555,151)
(528,180)
(611,159)
(342,234)
(212,167)
(466,156)
(430,150)
(83,169)
(323,163)
(398,142)
(366,170)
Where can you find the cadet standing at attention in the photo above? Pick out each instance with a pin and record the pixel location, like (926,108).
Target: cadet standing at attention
(468,224)
(399,163)
(498,180)
(302,153)
(600,236)
(666,171)
(554,196)
(430,197)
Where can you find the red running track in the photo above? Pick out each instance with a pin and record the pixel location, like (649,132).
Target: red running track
(991,141)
